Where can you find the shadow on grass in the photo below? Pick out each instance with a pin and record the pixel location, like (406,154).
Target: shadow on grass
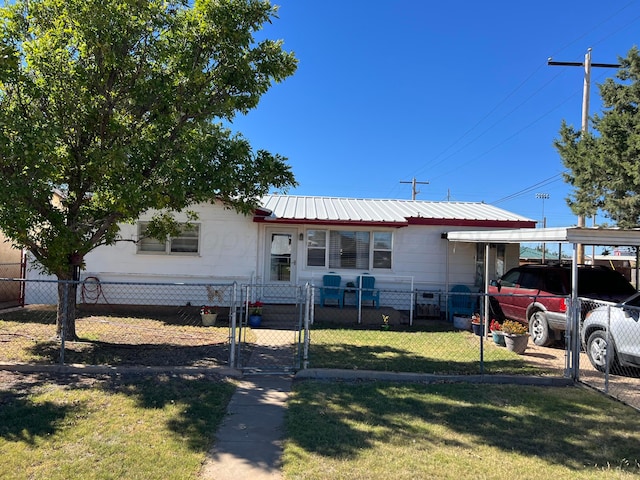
(568,427)
(157,354)
(25,419)
(21,420)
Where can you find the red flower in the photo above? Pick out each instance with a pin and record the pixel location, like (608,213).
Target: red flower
(256,308)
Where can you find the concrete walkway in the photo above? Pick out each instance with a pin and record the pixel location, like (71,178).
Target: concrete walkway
(248,444)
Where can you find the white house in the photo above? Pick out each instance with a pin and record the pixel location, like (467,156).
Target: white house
(297,239)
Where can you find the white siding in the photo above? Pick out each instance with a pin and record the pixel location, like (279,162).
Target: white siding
(228,252)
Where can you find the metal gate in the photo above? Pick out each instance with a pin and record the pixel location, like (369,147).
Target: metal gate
(276,344)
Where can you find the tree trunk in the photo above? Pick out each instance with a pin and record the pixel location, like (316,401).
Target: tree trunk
(66,314)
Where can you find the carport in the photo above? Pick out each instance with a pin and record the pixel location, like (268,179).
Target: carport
(564,235)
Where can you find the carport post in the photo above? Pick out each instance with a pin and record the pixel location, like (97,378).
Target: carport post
(573,323)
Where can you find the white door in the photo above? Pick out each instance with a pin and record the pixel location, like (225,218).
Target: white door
(281,256)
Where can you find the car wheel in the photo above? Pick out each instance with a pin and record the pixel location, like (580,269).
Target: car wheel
(496,310)
(539,329)
(600,352)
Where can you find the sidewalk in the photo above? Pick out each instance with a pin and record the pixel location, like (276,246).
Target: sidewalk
(248,444)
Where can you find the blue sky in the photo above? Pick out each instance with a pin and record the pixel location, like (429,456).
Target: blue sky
(457,94)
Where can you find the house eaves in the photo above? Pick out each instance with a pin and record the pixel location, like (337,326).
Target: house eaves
(286,209)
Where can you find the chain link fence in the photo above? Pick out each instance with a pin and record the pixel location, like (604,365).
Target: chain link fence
(404,330)
(418,331)
(144,324)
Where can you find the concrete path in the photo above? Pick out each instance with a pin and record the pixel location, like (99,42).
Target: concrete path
(248,444)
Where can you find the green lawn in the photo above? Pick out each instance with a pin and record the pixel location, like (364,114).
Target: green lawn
(411,350)
(372,430)
(133,427)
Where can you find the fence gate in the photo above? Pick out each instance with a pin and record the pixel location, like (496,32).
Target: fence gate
(276,344)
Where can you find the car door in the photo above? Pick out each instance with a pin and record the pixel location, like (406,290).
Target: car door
(625,329)
(517,289)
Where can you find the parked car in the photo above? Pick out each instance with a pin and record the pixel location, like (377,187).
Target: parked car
(620,347)
(537,295)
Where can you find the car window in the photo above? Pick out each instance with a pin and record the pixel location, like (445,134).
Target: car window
(510,279)
(530,280)
(556,282)
(633,302)
(603,281)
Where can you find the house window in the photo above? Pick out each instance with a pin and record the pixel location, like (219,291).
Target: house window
(382,249)
(316,248)
(349,249)
(187,242)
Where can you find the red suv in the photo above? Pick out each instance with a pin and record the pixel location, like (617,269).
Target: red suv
(537,295)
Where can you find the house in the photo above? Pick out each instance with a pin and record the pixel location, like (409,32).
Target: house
(292,240)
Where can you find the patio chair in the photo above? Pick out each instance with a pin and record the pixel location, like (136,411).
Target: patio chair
(331,290)
(367,293)
(460,302)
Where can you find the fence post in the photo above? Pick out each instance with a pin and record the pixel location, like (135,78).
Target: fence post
(309,298)
(63,320)
(233,334)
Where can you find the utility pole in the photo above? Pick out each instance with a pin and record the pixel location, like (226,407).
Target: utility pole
(587,64)
(414,190)
(543,197)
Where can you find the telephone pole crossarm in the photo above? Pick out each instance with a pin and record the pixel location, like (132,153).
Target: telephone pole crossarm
(414,190)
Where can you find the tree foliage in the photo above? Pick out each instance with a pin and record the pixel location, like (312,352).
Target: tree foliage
(118,105)
(604,167)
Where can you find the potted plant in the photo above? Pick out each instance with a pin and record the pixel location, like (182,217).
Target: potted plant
(255,313)
(209,315)
(497,333)
(516,336)
(476,324)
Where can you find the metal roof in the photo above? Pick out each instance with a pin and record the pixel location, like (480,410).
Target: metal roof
(310,209)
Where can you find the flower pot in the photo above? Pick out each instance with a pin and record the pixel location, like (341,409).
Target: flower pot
(255,320)
(462,323)
(498,337)
(478,329)
(516,343)
(209,319)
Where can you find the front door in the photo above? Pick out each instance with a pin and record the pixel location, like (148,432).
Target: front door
(281,256)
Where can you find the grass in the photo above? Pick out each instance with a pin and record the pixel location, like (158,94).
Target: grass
(135,427)
(28,336)
(411,350)
(457,431)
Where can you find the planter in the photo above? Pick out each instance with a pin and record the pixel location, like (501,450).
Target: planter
(462,323)
(478,328)
(498,337)
(255,320)
(209,319)
(516,343)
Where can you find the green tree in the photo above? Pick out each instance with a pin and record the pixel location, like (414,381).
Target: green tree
(604,167)
(118,105)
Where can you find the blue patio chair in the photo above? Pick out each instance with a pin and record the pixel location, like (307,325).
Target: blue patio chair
(331,290)
(368,293)
(460,302)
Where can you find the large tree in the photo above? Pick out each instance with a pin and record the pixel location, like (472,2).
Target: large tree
(604,166)
(118,105)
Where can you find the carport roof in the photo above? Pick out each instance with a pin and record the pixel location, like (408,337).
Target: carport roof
(576,235)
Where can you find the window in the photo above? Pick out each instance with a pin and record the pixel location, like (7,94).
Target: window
(382,249)
(187,242)
(349,249)
(316,248)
